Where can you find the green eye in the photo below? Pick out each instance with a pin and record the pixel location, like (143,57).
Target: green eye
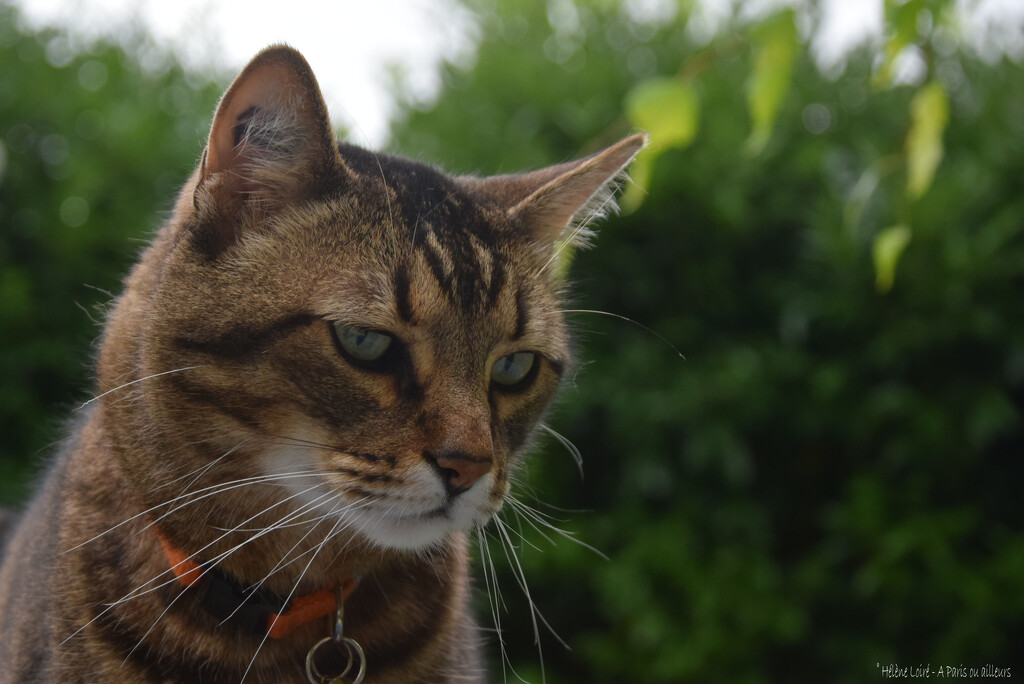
(512,369)
(360,343)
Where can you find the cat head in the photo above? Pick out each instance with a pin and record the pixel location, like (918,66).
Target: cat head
(375,339)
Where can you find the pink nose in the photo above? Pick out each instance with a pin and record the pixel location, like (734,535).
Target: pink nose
(459,470)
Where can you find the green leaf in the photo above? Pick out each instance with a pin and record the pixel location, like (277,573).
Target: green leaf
(886,251)
(901,18)
(929,114)
(667,108)
(776,48)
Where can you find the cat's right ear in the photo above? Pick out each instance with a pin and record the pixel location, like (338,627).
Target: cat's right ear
(271,142)
(556,204)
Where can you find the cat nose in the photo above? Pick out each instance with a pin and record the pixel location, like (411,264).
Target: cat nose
(459,470)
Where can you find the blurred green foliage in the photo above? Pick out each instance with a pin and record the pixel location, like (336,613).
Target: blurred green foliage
(830,479)
(93,147)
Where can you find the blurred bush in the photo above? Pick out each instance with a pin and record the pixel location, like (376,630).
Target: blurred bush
(93,147)
(829,480)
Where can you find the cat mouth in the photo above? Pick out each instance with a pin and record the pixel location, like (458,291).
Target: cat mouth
(412,529)
(443,512)
(439,512)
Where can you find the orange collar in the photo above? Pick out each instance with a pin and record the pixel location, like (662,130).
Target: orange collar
(226,599)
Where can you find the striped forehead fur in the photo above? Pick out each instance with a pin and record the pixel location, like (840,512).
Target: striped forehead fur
(445,225)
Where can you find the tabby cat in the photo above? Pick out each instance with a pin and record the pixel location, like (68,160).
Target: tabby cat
(318,379)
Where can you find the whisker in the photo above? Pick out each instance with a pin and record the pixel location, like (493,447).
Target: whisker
(522,537)
(301,523)
(580,227)
(421,217)
(295,441)
(133,382)
(628,320)
(138,591)
(302,441)
(88,314)
(289,597)
(376,158)
(221,487)
(494,597)
(202,472)
(210,564)
(520,576)
(573,451)
(236,484)
(110,295)
(534,518)
(281,564)
(201,469)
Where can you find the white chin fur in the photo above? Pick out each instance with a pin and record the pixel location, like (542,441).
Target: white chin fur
(407,522)
(389,526)
(403,534)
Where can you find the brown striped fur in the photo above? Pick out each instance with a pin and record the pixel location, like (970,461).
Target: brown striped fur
(218,364)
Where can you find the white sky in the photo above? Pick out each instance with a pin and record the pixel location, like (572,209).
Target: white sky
(351,43)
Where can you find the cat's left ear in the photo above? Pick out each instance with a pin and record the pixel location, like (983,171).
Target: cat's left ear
(270,143)
(557,203)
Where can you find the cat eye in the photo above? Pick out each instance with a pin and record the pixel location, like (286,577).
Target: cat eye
(513,369)
(361,344)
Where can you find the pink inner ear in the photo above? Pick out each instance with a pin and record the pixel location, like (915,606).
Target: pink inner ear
(269,86)
(270,136)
